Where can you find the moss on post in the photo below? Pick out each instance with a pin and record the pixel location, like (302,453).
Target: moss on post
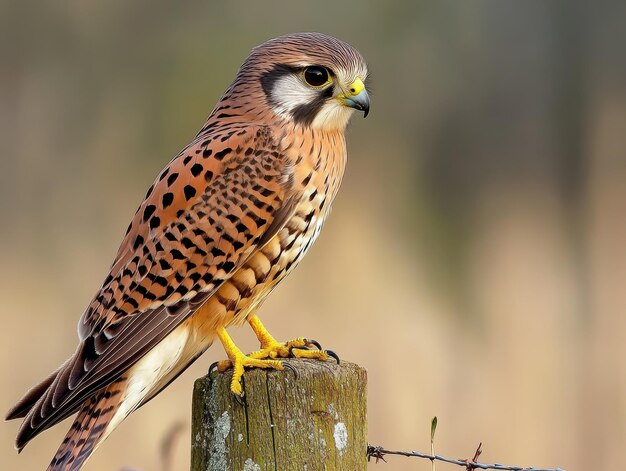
(316,421)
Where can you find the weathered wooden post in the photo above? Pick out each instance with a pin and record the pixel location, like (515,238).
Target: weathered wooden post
(313,422)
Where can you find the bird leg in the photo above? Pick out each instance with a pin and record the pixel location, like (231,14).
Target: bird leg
(271,348)
(239,361)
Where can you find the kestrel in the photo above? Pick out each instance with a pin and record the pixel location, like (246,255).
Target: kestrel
(224,222)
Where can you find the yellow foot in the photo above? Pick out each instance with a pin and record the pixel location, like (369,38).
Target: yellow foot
(298,348)
(239,362)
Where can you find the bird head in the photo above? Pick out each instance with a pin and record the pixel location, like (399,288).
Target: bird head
(311,79)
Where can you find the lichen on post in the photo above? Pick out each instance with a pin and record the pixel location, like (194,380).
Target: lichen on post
(312,420)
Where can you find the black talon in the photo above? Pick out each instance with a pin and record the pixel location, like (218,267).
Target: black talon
(295,372)
(314,342)
(241,400)
(330,353)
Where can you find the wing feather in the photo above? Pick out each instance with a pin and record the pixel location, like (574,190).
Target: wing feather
(216,203)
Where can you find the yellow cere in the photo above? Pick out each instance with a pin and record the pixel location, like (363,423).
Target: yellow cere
(356,87)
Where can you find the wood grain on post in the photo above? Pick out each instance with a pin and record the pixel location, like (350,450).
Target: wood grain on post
(313,422)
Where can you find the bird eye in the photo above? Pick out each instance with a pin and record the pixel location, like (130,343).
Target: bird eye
(316,76)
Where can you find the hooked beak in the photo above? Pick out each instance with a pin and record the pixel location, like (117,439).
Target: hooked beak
(356,97)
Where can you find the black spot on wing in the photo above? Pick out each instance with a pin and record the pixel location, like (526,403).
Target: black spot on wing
(168,199)
(196,169)
(189,191)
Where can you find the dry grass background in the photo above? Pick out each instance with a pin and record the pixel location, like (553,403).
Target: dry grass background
(475,260)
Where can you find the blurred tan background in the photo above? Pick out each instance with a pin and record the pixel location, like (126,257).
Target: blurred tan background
(475,260)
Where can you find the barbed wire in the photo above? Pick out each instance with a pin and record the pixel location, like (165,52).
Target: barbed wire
(379,453)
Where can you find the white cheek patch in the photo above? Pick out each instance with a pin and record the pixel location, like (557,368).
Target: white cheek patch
(333,115)
(288,93)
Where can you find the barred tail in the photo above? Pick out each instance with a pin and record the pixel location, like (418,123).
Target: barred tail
(91,427)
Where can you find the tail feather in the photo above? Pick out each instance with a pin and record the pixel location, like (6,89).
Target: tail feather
(89,429)
(26,403)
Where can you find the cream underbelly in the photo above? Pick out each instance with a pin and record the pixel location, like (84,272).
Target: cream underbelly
(160,366)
